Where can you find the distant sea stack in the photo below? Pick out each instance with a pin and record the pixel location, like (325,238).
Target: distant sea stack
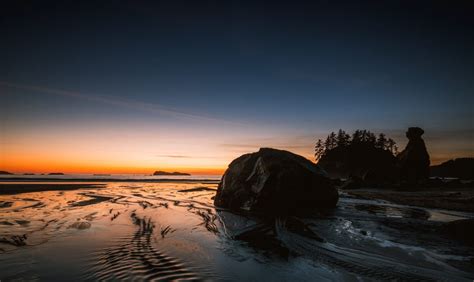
(176,173)
(362,156)
(414,161)
(462,168)
(2,172)
(56,173)
(361,160)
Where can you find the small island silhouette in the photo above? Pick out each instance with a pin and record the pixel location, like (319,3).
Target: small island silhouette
(175,173)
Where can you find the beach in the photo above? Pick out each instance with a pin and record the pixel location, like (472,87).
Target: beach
(237,141)
(172,230)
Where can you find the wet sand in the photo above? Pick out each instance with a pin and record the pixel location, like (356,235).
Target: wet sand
(17,188)
(166,231)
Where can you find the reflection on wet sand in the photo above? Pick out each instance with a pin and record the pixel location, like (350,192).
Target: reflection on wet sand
(173,231)
(15,188)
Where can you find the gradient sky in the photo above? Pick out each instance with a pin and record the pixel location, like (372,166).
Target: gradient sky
(105,86)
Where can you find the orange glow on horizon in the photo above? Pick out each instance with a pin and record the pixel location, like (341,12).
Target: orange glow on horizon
(145,148)
(71,169)
(39,166)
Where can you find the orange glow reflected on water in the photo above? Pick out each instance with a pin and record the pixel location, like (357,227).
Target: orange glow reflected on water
(97,223)
(45,166)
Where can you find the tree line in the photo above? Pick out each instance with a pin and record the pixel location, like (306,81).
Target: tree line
(342,139)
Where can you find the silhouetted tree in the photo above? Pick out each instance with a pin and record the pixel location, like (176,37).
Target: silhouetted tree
(357,136)
(381,142)
(371,139)
(391,146)
(367,137)
(342,138)
(330,142)
(319,149)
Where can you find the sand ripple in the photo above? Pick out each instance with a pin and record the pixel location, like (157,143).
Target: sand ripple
(135,256)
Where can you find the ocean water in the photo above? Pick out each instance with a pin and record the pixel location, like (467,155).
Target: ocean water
(111,177)
(143,230)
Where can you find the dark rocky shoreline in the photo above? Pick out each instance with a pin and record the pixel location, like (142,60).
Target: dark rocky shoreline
(461,199)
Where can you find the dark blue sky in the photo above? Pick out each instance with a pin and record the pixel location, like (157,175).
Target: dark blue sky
(299,67)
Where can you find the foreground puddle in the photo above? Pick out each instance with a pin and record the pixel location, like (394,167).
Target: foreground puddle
(171,231)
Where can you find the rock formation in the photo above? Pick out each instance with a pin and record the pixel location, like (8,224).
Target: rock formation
(275,181)
(176,173)
(462,168)
(414,160)
(363,161)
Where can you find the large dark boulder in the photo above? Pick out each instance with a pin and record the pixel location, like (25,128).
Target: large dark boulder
(414,161)
(275,181)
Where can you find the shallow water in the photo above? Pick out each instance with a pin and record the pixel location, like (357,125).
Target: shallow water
(149,231)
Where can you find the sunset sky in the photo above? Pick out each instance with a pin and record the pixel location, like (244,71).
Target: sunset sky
(114,88)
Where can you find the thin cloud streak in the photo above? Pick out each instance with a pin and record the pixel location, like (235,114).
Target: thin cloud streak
(174,156)
(185,157)
(136,105)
